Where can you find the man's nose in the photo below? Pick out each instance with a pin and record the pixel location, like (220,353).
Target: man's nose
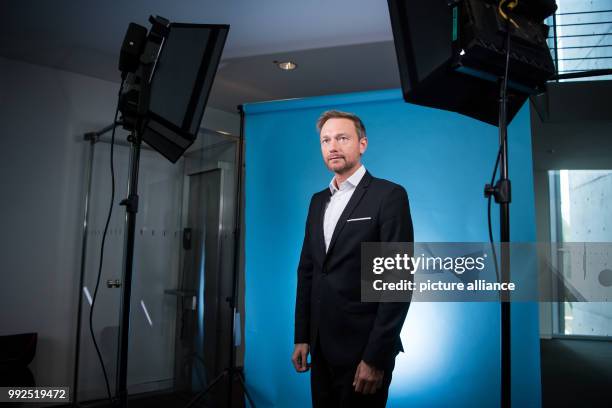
(333,145)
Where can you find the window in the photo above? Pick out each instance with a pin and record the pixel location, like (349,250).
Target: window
(582,33)
(581,211)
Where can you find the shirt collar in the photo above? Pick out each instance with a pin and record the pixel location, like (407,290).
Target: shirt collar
(352,181)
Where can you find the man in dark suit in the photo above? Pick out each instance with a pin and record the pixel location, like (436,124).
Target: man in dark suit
(353,344)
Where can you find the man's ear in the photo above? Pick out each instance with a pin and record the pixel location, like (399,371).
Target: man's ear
(363,144)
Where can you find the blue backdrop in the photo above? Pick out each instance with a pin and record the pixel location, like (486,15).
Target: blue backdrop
(443,160)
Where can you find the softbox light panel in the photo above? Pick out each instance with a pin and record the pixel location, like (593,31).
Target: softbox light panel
(180,86)
(451,54)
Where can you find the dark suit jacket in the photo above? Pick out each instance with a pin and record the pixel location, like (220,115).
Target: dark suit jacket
(329,284)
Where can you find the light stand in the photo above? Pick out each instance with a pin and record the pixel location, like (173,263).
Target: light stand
(134,120)
(173,66)
(131,208)
(232,371)
(502,194)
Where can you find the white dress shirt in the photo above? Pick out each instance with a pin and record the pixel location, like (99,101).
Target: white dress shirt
(338,201)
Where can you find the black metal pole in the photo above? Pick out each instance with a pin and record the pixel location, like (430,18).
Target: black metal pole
(131,208)
(504,219)
(503,197)
(237,237)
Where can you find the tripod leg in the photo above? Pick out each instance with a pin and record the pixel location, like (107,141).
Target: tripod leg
(246,391)
(203,393)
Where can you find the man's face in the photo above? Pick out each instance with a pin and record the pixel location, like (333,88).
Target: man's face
(340,145)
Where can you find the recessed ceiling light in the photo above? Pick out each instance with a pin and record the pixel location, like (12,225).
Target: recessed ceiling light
(286,65)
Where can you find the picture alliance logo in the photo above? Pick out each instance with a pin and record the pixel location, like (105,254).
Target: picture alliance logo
(404,262)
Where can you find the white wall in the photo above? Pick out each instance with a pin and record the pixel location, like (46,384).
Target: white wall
(44,113)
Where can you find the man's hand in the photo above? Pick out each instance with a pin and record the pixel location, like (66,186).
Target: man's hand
(300,357)
(368,379)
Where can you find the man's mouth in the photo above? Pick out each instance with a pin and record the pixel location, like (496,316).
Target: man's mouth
(335,158)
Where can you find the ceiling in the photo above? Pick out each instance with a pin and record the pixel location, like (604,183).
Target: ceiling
(339,45)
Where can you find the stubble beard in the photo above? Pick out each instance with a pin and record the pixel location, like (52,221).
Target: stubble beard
(341,169)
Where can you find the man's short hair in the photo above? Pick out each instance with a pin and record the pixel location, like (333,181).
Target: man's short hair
(334,114)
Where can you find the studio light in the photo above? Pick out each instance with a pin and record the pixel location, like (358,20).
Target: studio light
(166,75)
(177,65)
(451,54)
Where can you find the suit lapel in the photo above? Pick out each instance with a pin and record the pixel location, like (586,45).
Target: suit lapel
(321,234)
(350,206)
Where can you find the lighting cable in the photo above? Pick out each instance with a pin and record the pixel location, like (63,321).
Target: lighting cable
(108,218)
(499,151)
